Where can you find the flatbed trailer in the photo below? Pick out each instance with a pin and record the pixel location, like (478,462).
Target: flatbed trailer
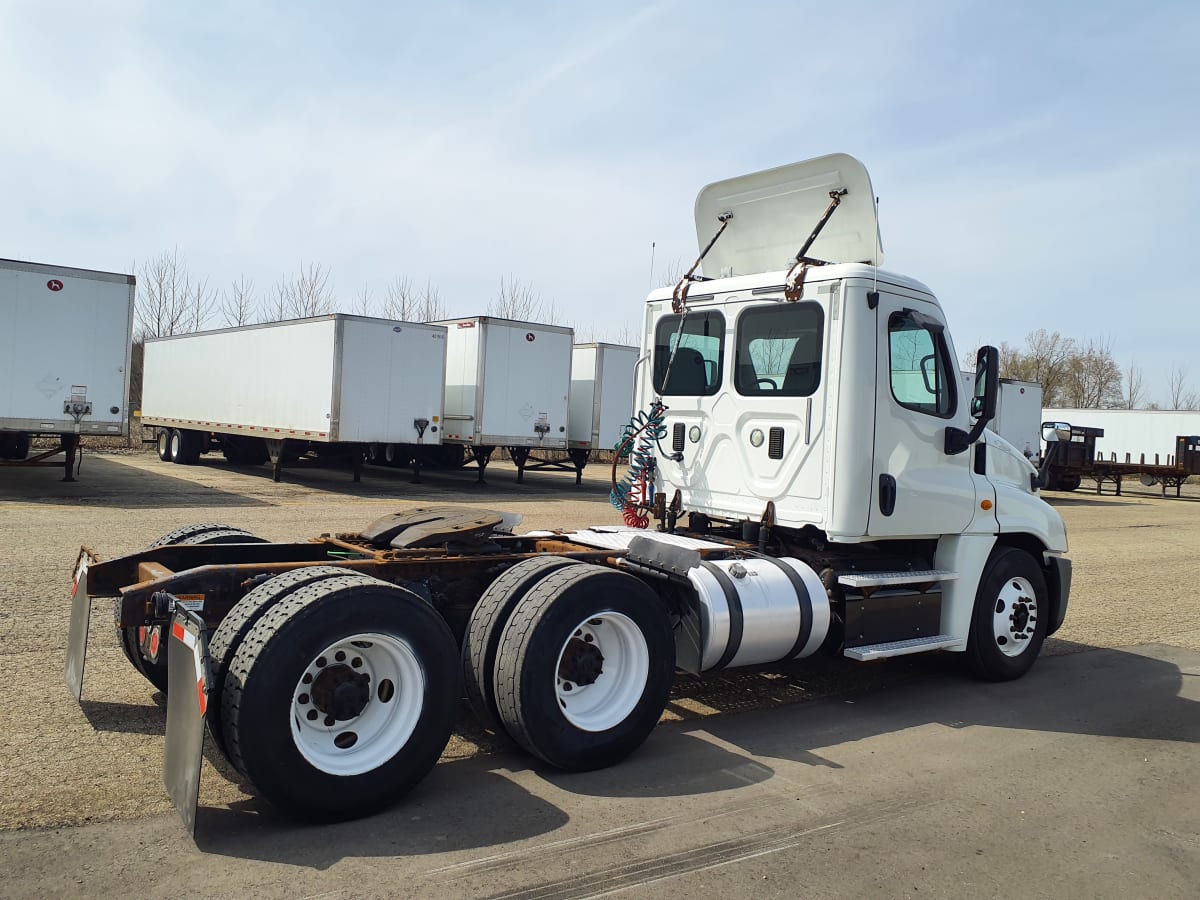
(1072,456)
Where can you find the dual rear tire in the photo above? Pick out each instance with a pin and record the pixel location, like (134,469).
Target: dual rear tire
(573,661)
(339,697)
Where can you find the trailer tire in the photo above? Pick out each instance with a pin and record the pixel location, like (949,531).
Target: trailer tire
(163,444)
(397,719)
(185,446)
(243,616)
(555,696)
(1011,615)
(486,627)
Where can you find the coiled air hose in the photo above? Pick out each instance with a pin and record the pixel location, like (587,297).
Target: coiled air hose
(635,491)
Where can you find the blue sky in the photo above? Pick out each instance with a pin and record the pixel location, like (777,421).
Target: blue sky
(1036,163)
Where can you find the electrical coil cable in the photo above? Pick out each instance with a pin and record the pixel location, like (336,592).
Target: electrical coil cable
(635,491)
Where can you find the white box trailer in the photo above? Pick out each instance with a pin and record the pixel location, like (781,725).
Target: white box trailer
(507,385)
(1131,434)
(601,395)
(261,391)
(65,342)
(1018,413)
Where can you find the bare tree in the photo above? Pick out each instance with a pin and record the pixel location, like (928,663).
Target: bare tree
(237,303)
(201,304)
(1093,377)
(515,300)
(364,303)
(671,272)
(275,309)
(399,300)
(430,306)
(163,298)
(303,295)
(1135,388)
(1046,359)
(1182,397)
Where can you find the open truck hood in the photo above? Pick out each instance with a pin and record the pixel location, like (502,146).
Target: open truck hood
(775,211)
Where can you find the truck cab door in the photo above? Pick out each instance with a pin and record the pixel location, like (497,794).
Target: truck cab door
(916,488)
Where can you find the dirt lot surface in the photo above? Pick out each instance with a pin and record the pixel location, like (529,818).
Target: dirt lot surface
(1135,562)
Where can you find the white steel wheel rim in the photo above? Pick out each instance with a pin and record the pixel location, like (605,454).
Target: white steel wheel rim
(1014,616)
(368,739)
(176,442)
(612,696)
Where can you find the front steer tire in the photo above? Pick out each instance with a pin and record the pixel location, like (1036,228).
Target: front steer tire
(1011,616)
(584,667)
(367,742)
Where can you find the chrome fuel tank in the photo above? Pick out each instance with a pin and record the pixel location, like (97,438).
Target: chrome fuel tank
(756,610)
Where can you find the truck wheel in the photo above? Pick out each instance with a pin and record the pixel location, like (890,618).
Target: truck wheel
(340,698)
(584,667)
(163,444)
(486,627)
(245,613)
(1069,483)
(195,534)
(130,640)
(1010,618)
(185,446)
(154,672)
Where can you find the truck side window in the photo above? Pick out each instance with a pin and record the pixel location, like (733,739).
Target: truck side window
(779,350)
(922,377)
(699,353)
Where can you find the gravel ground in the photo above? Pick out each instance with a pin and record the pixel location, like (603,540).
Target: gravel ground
(62,763)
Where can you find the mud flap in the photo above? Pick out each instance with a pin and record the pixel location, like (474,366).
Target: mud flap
(81,618)
(188,679)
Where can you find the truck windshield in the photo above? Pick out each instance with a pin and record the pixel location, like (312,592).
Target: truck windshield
(779,350)
(696,370)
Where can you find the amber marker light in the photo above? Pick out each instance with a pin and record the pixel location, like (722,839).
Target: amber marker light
(986,504)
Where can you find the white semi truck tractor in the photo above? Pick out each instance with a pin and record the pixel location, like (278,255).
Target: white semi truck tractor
(807,473)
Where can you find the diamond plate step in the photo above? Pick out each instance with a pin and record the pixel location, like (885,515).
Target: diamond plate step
(900,648)
(879,579)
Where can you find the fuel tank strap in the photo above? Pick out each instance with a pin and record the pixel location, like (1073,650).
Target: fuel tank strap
(803,600)
(734,602)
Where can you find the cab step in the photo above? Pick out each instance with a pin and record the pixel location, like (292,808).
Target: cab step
(901,648)
(880,579)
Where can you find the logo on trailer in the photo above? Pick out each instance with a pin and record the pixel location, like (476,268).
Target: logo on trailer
(54,284)
(529,336)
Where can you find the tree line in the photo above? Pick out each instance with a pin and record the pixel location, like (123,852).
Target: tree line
(1085,374)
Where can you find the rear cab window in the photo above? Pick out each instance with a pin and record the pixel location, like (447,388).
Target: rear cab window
(779,350)
(688,362)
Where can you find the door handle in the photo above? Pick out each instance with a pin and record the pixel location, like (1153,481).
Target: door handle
(887,494)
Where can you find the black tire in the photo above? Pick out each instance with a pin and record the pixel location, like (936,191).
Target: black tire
(486,627)
(244,615)
(554,613)
(185,446)
(287,643)
(1070,483)
(163,444)
(21,444)
(212,533)
(1012,583)
(233,450)
(154,672)
(194,534)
